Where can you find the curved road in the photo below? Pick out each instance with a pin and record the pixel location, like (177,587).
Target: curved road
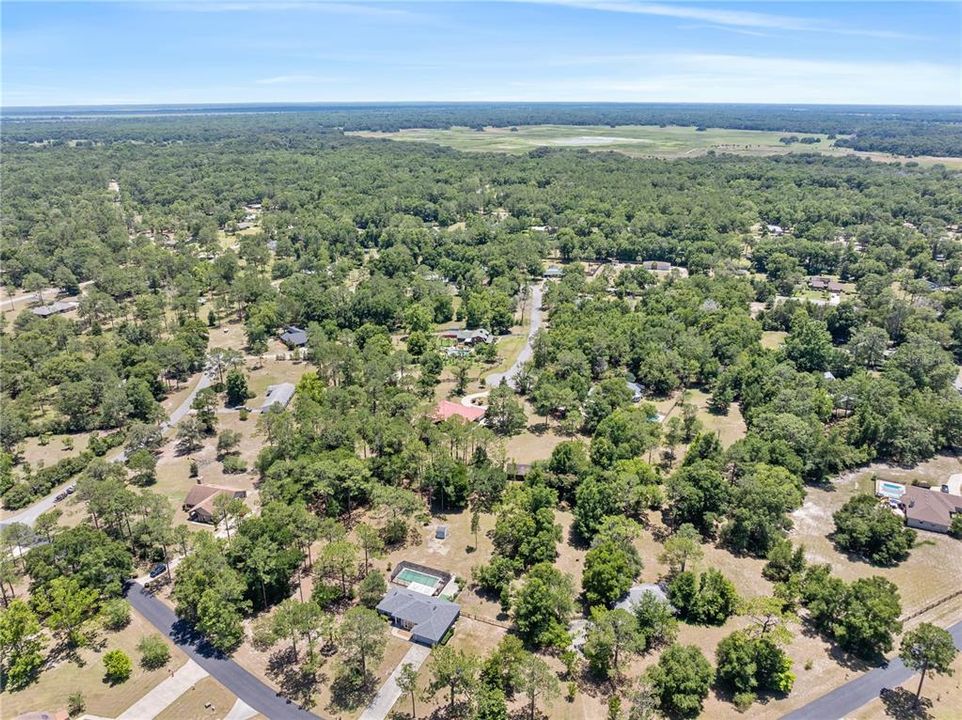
(494,379)
(854,694)
(227,672)
(29,515)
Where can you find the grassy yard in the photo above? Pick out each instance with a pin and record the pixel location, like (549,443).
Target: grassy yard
(773,339)
(86,674)
(193,703)
(932,571)
(633,140)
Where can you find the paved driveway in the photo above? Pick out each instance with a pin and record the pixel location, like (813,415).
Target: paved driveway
(855,693)
(494,379)
(245,686)
(389,693)
(29,515)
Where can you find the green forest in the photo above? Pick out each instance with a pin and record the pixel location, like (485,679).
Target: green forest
(170,231)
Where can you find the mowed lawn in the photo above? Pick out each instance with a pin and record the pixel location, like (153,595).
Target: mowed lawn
(86,674)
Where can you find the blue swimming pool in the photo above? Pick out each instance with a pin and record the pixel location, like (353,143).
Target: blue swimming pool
(890,489)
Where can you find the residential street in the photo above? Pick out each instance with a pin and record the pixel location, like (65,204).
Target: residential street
(855,693)
(232,676)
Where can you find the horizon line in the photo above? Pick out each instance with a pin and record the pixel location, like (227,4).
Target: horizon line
(308,103)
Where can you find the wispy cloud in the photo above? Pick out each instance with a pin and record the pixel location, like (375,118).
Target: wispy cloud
(711,77)
(294,80)
(723,17)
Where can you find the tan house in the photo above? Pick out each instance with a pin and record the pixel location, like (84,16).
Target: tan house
(930,509)
(199,503)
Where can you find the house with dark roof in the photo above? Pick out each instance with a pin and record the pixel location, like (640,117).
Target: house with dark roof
(294,337)
(427,618)
(56,308)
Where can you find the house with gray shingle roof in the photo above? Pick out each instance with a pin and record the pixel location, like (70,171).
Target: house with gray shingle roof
(427,618)
(294,337)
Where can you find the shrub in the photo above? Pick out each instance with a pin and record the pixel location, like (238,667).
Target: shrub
(234,465)
(154,652)
(117,667)
(76,703)
(955,529)
(116,614)
(395,532)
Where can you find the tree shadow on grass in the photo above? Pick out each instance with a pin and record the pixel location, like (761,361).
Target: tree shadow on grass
(295,677)
(351,690)
(901,704)
(840,655)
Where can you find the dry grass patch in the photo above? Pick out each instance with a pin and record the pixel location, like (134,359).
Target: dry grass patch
(193,703)
(773,339)
(934,567)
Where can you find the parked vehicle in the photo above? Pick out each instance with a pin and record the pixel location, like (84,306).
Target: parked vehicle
(157,569)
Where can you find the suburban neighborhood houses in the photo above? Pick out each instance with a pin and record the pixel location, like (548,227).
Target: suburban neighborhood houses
(332,389)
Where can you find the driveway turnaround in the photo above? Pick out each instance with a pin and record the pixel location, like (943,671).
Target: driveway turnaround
(165,694)
(389,693)
(855,693)
(232,676)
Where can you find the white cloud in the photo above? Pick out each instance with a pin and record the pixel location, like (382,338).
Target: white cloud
(722,17)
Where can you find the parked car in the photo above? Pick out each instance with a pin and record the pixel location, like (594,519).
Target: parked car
(71,489)
(157,569)
(945,488)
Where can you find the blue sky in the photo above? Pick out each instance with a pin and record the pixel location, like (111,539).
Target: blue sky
(206,51)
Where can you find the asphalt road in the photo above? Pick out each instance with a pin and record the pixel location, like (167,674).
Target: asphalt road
(494,379)
(228,673)
(854,694)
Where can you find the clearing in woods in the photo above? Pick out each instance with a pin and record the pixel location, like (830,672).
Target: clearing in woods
(635,140)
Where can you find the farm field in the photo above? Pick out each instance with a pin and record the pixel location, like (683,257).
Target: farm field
(634,140)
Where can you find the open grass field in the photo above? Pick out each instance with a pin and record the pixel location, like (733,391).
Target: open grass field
(634,140)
